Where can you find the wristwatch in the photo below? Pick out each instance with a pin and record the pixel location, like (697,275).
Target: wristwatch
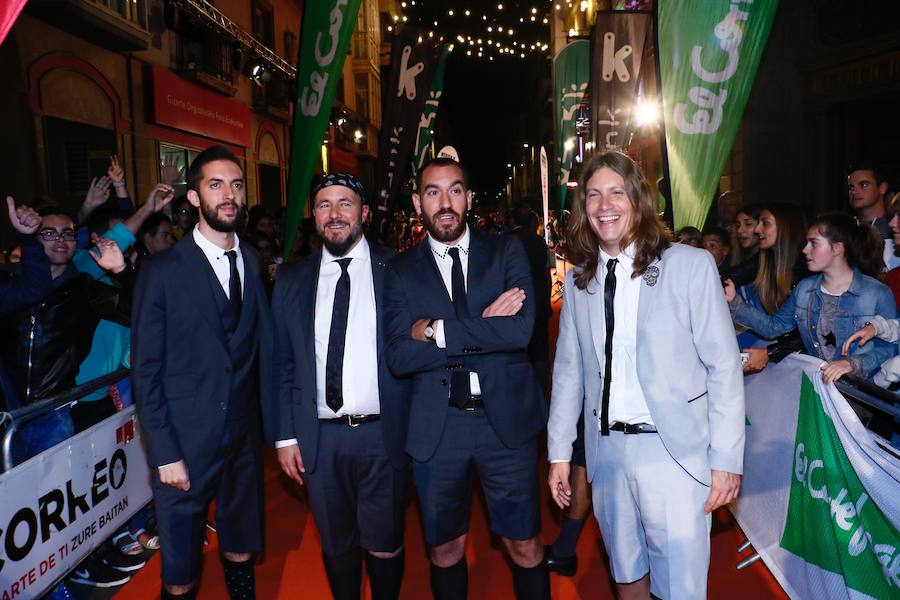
(429,330)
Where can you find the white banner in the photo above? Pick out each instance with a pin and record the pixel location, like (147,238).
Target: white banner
(773,400)
(60,505)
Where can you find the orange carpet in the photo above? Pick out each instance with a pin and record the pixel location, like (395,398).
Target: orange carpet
(292,565)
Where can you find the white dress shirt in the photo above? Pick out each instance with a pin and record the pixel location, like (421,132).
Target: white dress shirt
(360,375)
(444,263)
(360,370)
(626,399)
(219,262)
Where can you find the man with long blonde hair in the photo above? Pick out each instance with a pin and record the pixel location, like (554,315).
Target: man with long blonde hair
(647,351)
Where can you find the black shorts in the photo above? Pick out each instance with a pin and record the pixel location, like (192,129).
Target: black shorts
(578,444)
(508,477)
(356,495)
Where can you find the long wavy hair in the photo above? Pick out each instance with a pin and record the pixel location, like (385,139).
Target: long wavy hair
(648,233)
(775,278)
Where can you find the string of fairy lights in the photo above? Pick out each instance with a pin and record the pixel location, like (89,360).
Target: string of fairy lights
(484,30)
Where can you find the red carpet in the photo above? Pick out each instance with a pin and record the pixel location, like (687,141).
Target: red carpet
(292,565)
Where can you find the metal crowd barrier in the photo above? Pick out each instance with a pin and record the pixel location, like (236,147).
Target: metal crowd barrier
(11,421)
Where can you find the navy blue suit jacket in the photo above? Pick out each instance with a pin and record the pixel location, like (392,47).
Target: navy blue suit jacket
(495,348)
(182,369)
(294,413)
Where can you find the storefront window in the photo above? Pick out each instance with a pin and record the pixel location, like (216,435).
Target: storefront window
(176,160)
(173,162)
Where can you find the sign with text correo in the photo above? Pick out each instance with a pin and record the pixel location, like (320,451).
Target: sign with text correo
(59,506)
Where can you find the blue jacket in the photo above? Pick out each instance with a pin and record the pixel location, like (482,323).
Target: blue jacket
(865,298)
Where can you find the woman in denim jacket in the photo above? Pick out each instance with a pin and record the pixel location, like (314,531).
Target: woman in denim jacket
(827,308)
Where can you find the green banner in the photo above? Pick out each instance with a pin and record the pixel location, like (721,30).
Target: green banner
(831,522)
(327,29)
(429,111)
(571,74)
(709,53)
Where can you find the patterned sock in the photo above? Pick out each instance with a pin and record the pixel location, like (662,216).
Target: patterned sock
(531,583)
(385,576)
(240,579)
(450,583)
(569,532)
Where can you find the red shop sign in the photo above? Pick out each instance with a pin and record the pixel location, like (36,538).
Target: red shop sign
(183,105)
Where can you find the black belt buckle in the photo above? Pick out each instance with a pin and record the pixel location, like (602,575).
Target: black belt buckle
(353,420)
(633,428)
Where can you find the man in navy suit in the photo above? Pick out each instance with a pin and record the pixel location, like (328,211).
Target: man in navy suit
(459,311)
(339,420)
(200,320)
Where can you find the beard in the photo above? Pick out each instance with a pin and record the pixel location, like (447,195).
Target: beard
(340,248)
(445,234)
(221,224)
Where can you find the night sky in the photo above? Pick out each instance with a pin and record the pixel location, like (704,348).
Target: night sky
(489,108)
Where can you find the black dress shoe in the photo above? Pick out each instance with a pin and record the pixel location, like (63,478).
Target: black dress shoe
(561,565)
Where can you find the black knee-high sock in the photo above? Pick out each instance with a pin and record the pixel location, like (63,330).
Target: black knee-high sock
(344,574)
(569,532)
(240,579)
(450,583)
(531,583)
(165,595)
(385,575)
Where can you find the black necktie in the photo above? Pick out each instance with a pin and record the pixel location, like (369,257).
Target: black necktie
(609,295)
(234,286)
(458,285)
(334,364)
(460,388)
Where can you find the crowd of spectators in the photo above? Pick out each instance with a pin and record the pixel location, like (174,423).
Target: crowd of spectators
(823,286)
(828,287)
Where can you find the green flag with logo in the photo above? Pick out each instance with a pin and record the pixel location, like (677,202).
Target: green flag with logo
(831,522)
(571,74)
(429,111)
(327,28)
(708,56)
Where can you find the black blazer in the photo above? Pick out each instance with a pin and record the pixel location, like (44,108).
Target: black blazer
(495,348)
(182,368)
(293,412)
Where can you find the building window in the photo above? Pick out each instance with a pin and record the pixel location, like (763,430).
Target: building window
(130,10)
(272,91)
(203,51)
(361,81)
(179,158)
(264,24)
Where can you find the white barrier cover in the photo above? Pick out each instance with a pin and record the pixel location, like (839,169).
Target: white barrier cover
(820,499)
(58,506)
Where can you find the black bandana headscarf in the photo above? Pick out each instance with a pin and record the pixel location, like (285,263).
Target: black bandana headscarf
(345,179)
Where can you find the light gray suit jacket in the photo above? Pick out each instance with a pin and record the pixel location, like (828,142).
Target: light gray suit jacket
(688,366)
